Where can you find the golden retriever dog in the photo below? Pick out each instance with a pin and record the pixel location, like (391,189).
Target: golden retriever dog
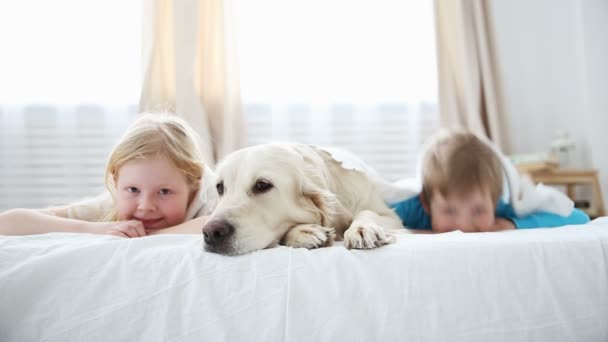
(296,195)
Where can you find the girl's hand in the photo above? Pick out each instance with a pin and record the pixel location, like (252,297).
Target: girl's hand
(194,226)
(128,229)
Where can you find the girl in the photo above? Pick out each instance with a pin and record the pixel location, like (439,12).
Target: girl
(156,183)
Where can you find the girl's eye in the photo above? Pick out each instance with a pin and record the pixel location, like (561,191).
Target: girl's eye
(132,189)
(164,191)
(449,211)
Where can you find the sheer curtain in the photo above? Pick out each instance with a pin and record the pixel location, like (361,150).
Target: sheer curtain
(189,69)
(69,86)
(470,86)
(361,75)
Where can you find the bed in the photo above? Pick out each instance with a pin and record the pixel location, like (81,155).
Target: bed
(529,285)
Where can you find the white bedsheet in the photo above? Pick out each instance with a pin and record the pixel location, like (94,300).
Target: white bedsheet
(529,285)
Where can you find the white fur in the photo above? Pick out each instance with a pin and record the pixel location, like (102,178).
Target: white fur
(313,200)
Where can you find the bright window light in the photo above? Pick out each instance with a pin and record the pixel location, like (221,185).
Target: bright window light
(69,51)
(340,51)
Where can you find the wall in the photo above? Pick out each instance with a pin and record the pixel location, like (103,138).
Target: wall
(553,60)
(595,31)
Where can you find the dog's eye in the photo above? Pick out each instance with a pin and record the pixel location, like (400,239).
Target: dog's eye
(220,188)
(261,186)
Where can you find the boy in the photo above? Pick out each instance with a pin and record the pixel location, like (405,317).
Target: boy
(462,182)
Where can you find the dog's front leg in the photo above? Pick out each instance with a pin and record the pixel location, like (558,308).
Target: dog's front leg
(309,236)
(370,229)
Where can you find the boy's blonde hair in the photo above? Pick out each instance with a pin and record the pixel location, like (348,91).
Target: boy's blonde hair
(459,162)
(154,134)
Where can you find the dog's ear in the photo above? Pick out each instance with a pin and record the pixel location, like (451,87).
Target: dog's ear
(319,198)
(314,179)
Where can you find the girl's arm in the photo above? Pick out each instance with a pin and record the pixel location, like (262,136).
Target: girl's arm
(194,226)
(32,221)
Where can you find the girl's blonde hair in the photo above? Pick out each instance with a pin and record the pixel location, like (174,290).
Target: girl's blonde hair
(459,162)
(154,134)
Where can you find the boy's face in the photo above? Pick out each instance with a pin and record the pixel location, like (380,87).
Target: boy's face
(473,212)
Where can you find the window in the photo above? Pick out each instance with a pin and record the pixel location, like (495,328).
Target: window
(69,87)
(356,74)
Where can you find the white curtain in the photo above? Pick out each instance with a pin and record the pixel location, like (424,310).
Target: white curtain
(190,69)
(470,93)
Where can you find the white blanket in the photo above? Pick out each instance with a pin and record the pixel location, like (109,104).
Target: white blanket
(531,285)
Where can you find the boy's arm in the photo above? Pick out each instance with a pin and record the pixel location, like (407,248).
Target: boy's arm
(194,226)
(412,214)
(546,220)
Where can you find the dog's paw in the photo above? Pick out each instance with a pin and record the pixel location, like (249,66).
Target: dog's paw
(309,236)
(366,234)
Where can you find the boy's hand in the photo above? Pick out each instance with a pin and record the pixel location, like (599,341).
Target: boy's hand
(502,224)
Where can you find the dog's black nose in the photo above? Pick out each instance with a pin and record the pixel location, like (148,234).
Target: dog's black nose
(216,231)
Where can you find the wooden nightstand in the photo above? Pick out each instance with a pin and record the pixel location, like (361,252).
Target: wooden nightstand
(570,178)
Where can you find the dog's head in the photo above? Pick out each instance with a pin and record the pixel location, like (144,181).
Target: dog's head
(264,191)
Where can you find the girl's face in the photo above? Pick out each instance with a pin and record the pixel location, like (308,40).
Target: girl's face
(152,190)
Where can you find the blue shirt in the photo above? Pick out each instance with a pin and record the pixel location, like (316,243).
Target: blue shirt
(414,216)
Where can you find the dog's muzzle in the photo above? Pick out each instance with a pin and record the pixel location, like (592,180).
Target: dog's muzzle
(216,233)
